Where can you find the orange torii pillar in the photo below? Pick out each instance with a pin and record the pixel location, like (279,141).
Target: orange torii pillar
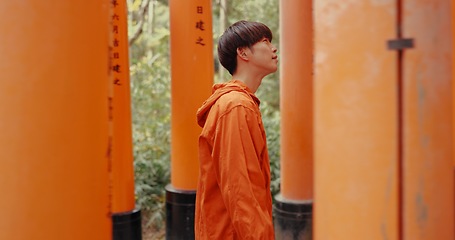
(192,78)
(383,121)
(293,206)
(453,95)
(356,121)
(54,120)
(126,219)
(428,188)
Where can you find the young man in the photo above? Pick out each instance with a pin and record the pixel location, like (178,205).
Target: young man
(233,199)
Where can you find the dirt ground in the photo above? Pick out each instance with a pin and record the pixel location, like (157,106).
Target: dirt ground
(153,235)
(151,232)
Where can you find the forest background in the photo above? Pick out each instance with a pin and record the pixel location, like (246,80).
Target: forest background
(149,35)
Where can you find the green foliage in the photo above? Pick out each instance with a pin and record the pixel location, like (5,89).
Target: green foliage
(150,91)
(150,94)
(151,134)
(271,119)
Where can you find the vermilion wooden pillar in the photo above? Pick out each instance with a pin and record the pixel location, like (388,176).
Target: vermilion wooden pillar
(293,206)
(54,120)
(356,121)
(126,219)
(453,91)
(192,72)
(427,164)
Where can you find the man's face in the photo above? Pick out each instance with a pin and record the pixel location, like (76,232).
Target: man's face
(264,56)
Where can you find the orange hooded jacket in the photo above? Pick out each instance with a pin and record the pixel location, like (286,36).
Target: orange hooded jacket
(233,199)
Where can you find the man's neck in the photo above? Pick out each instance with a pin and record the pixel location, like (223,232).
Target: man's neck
(252,81)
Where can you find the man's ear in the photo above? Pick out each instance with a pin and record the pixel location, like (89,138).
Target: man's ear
(241,52)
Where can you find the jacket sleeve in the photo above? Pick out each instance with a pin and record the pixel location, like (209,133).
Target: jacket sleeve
(237,149)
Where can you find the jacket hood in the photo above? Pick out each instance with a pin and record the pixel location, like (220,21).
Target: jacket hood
(219,90)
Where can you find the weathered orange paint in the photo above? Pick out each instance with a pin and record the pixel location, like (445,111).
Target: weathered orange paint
(122,150)
(453,95)
(428,165)
(192,78)
(296,103)
(54,120)
(356,121)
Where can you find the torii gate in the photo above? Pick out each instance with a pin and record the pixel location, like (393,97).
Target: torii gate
(373,125)
(381,101)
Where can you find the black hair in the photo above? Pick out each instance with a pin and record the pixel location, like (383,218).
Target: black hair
(240,34)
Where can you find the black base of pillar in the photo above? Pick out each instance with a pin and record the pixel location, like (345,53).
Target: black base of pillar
(127,226)
(293,221)
(180,207)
